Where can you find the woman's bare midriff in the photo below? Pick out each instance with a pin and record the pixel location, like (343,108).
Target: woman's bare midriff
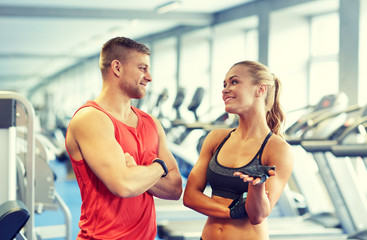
(233,229)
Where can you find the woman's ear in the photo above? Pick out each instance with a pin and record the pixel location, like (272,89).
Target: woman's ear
(116,67)
(261,90)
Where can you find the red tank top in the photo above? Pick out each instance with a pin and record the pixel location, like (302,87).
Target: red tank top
(103,214)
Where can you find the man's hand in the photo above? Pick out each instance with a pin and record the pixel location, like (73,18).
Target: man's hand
(130,161)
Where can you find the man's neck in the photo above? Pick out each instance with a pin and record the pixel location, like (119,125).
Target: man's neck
(119,107)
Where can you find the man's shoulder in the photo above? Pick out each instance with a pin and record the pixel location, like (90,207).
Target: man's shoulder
(143,114)
(89,115)
(139,111)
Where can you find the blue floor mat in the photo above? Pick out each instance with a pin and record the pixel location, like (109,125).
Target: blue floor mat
(69,192)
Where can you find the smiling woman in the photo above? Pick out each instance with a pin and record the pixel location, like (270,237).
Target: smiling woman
(237,162)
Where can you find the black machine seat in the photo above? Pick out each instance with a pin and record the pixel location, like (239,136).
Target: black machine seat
(13,216)
(196,101)
(178,102)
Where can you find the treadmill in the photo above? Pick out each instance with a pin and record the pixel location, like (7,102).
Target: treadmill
(353,144)
(305,175)
(338,175)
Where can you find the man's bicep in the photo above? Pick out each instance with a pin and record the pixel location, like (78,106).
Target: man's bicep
(95,138)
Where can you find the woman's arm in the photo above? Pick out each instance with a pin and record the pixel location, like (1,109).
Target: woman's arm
(262,197)
(194,197)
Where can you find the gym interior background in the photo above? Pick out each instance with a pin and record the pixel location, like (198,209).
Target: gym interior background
(49,54)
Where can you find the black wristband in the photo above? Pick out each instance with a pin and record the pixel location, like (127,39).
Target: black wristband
(163,164)
(238,208)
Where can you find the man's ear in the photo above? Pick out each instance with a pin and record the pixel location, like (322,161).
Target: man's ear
(261,90)
(116,67)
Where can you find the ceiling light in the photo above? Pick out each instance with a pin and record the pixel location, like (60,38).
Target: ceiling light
(167,7)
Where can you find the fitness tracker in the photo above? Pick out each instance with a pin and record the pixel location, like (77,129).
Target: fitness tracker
(163,164)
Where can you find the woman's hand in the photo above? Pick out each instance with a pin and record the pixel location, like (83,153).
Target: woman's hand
(255,180)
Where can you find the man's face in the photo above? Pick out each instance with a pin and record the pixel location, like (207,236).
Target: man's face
(135,75)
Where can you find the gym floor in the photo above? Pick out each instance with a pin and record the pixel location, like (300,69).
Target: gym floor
(68,190)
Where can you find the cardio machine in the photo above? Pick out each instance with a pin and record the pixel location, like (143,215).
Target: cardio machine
(350,149)
(338,175)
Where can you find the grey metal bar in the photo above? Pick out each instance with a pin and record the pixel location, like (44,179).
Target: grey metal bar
(67,214)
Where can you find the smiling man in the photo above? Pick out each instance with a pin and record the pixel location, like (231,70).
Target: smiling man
(119,153)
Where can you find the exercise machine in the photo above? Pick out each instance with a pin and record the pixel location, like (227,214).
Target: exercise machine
(305,175)
(351,145)
(25,173)
(338,175)
(13,216)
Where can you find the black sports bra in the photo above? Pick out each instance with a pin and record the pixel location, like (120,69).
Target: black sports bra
(221,178)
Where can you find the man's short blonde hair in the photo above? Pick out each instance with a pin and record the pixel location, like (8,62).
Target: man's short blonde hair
(119,48)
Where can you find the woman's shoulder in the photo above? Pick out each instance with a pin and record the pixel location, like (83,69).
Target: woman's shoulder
(216,136)
(219,134)
(279,141)
(277,148)
(211,142)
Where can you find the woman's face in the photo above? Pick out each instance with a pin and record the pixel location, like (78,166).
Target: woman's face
(239,91)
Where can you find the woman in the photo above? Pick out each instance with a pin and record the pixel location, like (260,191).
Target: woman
(246,167)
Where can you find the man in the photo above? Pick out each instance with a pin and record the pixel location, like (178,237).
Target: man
(119,153)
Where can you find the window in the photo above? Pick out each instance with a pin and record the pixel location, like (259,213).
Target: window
(363,55)
(163,70)
(231,45)
(324,68)
(194,71)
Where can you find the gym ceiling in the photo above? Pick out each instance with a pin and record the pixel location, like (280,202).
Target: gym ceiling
(40,38)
